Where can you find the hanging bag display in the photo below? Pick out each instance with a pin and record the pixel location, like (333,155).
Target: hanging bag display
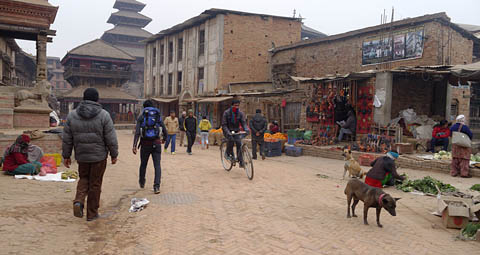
(461,139)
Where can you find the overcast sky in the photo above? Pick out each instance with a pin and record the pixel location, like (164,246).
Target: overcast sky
(80,21)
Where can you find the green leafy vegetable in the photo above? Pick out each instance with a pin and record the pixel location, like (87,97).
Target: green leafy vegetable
(425,185)
(470,230)
(475,187)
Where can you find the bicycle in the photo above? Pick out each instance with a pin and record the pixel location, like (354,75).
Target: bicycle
(228,163)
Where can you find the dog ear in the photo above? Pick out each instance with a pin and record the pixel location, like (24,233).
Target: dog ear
(385,201)
(397,198)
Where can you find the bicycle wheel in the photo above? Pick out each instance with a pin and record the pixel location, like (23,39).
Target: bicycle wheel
(227,164)
(247,161)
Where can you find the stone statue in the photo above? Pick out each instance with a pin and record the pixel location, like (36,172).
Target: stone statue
(36,97)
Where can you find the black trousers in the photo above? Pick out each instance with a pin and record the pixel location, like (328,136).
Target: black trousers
(155,150)
(191,136)
(260,143)
(235,141)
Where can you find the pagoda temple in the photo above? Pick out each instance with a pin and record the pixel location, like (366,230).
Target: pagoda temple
(127,35)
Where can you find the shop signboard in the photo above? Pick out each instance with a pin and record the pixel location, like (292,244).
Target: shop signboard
(399,45)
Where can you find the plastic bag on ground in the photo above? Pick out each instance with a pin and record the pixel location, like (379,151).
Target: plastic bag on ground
(138,204)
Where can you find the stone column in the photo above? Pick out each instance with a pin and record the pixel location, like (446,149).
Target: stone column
(383,90)
(41,58)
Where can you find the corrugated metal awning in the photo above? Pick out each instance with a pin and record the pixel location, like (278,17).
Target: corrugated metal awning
(214,99)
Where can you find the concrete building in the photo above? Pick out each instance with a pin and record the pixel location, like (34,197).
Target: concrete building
(197,60)
(55,72)
(379,61)
(127,35)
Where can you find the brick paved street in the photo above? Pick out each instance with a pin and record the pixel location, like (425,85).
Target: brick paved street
(286,209)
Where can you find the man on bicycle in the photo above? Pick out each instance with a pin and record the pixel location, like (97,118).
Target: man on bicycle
(232,119)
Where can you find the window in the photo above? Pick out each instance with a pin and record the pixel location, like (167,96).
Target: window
(179,83)
(170,83)
(154,56)
(201,43)
(180,49)
(170,52)
(200,80)
(162,54)
(153,86)
(161,85)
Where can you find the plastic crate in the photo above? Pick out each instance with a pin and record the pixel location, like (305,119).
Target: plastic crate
(273,145)
(291,140)
(293,151)
(272,153)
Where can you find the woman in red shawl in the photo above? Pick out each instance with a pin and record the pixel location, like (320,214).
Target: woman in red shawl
(16,158)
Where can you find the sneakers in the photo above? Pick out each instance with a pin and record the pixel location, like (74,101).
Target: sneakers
(156,190)
(165,150)
(142,185)
(173,153)
(207,146)
(189,153)
(263,157)
(78,210)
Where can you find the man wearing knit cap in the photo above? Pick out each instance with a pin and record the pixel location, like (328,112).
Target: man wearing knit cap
(90,132)
(383,171)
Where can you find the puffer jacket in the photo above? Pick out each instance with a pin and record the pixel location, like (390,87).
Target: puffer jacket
(90,131)
(258,124)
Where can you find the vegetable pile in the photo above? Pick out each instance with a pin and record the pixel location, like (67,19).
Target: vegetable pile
(69,174)
(443,155)
(276,136)
(475,187)
(216,130)
(470,230)
(425,185)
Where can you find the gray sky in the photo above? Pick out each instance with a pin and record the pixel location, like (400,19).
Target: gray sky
(80,21)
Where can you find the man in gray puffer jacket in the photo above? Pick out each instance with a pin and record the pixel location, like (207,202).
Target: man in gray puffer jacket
(90,131)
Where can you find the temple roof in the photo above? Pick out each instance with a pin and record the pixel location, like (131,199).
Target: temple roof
(104,93)
(136,52)
(37,2)
(130,14)
(134,2)
(129,30)
(100,48)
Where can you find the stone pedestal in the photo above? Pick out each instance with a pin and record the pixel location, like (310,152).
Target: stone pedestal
(6,118)
(24,117)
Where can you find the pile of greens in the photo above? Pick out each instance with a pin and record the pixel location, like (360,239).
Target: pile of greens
(475,187)
(425,185)
(470,230)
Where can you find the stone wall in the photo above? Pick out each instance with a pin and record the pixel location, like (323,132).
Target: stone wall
(51,143)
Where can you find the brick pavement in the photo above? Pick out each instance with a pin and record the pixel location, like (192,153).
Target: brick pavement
(203,209)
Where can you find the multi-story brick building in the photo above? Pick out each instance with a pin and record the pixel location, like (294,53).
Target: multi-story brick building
(55,76)
(198,59)
(380,61)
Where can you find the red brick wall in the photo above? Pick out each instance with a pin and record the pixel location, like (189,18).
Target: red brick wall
(345,55)
(247,40)
(6,118)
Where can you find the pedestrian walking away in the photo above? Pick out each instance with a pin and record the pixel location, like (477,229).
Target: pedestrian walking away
(172,124)
(89,130)
(190,126)
(234,120)
(150,130)
(258,125)
(204,127)
(181,124)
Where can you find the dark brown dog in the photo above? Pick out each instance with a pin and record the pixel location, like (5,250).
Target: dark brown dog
(371,197)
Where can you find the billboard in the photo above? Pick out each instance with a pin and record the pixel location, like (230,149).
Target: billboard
(403,44)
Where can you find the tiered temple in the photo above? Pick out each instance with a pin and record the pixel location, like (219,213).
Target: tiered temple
(127,36)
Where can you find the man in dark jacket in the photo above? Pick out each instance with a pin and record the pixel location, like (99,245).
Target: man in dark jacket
(232,119)
(349,127)
(383,171)
(90,131)
(190,126)
(181,121)
(258,125)
(149,147)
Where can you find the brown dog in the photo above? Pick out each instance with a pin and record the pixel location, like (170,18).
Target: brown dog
(351,165)
(371,197)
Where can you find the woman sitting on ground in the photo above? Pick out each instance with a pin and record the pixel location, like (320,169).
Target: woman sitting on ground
(16,158)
